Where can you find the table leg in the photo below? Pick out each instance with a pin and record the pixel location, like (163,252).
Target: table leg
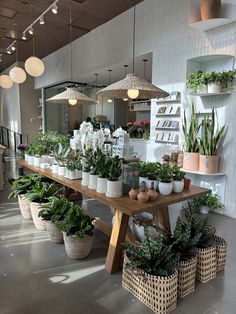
(161,218)
(118,234)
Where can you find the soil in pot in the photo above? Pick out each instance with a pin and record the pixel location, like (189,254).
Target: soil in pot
(55,235)
(78,248)
(38,222)
(24,205)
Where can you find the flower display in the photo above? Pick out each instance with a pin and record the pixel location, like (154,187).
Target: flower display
(139,129)
(21,147)
(119,132)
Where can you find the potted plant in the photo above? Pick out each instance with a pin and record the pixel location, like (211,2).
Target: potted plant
(165,179)
(149,273)
(191,154)
(152,174)
(114,183)
(19,188)
(214,82)
(21,148)
(52,212)
(29,152)
(74,166)
(205,203)
(102,165)
(209,161)
(94,171)
(61,155)
(197,83)
(38,196)
(86,162)
(178,179)
(77,229)
(143,172)
(226,80)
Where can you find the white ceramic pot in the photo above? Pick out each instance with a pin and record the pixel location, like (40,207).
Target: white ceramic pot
(61,171)
(85,178)
(26,157)
(24,205)
(67,175)
(114,188)
(178,186)
(214,88)
(51,160)
(77,248)
(30,159)
(203,89)
(93,181)
(78,174)
(149,184)
(101,185)
(38,222)
(141,179)
(54,168)
(43,159)
(37,161)
(204,210)
(165,188)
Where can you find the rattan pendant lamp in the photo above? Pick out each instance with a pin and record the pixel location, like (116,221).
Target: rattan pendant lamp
(71,95)
(132,85)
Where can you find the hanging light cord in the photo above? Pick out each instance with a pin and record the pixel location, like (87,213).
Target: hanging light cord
(71,74)
(134,26)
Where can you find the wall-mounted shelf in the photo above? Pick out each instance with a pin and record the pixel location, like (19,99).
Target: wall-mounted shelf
(167,129)
(168,100)
(204,174)
(207,25)
(209,94)
(168,114)
(167,142)
(142,105)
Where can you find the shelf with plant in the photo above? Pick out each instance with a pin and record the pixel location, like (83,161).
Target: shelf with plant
(77,229)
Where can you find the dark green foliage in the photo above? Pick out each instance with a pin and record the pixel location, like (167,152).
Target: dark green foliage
(165,173)
(177,174)
(103,162)
(114,169)
(41,192)
(55,209)
(211,200)
(87,156)
(23,184)
(76,223)
(153,256)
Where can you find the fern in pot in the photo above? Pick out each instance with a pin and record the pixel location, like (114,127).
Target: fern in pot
(165,179)
(191,153)
(38,196)
(19,188)
(150,273)
(77,229)
(52,212)
(102,164)
(178,179)
(114,182)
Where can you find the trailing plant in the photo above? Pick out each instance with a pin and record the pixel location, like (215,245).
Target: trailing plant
(165,173)
(211,137)
(114,169)
(226,79)
(41,192)
(153,256)
(197,80)
(177,174)
(76,223)
(24,184)
(211,200)
(191,132)
(55,209)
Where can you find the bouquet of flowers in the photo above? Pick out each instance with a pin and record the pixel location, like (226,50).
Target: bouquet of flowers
(21,147)
(139,129)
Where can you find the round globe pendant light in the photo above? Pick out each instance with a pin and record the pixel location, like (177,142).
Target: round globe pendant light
(34,66)
(6,81)
(17,75)
(72,102)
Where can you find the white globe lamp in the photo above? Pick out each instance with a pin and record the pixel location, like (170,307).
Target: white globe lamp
(6,81)
(72,102)
(17,75)
(34,66)
(133,93)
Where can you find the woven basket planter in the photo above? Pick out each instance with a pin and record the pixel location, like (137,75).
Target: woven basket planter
(206,264)
(186,276)
(221,253)
(158,293)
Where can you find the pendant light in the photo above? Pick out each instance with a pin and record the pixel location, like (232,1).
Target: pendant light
(132,85)
(71,95)
(5,81)
(126,67)
(33,65)
(109,100)
(17,74)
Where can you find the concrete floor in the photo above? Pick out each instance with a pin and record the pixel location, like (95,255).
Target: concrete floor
(36,276)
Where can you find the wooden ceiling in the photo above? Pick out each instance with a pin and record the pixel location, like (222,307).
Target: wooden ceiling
(17,15)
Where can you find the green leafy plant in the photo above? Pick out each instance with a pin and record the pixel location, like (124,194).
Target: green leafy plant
(197,80)
(102,164)
(143,169)
(55,209)
(191,132)
(24,184)
(87,159)
(152,170)
(211,200)
(211,137)
(153,256)
(177,174)
(62,153)
(165,173)
(114,169)
(41,192)
(76,223)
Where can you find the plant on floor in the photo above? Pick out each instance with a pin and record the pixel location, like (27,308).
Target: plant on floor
(211,200)
(24,184)
(191,132)
(55,209)
(177,174)
(196,80)
(41,192)
(114,169)
(76,223)
(153,256)
(211,137)
(165,173)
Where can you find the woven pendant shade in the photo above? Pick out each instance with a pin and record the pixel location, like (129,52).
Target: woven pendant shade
(133,82)
(71,93)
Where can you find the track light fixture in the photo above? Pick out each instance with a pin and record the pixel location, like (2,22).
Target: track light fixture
(24,36)
(41,20)
(31,30)
(54,8)
(13,48)
(8,51)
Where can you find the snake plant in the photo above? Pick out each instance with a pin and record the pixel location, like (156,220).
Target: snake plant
(191,132)
(211,137)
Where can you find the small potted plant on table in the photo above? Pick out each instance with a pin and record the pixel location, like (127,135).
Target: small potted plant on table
(152,174)
(86,162)
(77,229)
(178,179)
(114,182)
(165,179)
(102,164)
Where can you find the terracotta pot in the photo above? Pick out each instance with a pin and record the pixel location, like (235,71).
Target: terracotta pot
(55,235)
(38,222)
(24,205)
(153,195)
(180,159)
(209,164)
(191,161)
(133,193)
(143,197)
(187,183)
(77,248)
(210,9)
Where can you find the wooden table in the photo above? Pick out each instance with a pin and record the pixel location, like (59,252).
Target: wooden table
(124,208)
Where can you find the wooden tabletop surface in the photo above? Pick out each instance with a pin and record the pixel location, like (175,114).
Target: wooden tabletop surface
(124,203)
